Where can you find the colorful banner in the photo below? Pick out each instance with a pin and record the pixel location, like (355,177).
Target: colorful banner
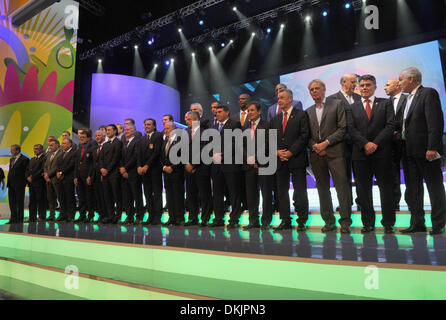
(37,70)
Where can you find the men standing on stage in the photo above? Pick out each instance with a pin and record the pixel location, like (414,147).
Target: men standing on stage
(242,116)
(65,175)
(110,161)
(198,180)
(83,177)
(149,168)
(132,188)
(292,139)
(348,96)
(214,121)
(371,127)
(52,165)
(328,125)
(399,101)
(225,174)
(253,180)
(16,184)
(173,178)
(37,186)
(422,133)
(274,110)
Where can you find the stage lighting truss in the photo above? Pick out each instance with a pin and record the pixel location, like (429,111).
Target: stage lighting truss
(93,7)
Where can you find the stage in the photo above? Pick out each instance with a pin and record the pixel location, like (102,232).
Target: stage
(169,263)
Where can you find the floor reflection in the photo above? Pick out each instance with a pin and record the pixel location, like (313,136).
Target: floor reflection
(419,249)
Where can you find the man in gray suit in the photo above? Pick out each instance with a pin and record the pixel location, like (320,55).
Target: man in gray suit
(348,97)
(327,129)
(52,165)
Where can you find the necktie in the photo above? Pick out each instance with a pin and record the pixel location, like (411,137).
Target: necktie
(167,146)
(368,109)
(12,162)
(242,122)
(220,126)
(82,153)
(253,130)
(285,120)
(99,149)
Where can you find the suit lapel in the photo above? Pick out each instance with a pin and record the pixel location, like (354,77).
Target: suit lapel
(374,108)
(360,108)
(324,113)
(414,102)
(401,104)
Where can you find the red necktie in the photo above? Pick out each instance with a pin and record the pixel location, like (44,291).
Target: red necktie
(368,109)
(82,153)
(253,129)
(285,121)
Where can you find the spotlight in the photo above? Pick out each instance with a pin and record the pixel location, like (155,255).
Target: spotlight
(201,22)
(180,30)
(308,18)
(253,34)
(136,47)
(156,65)
(268,30)
(172,60)
(100,60)
(325,13)
(222,44)
(193,54)
(234,8)
(167,62)
(231,41)
(210,48)
(151,41)
(347,5)
(282,26)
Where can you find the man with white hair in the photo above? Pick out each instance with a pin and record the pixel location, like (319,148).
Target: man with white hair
(197,107)
(422,134)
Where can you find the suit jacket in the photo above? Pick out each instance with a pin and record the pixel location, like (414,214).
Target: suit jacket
(340,96)
(111,156)
(333,127)
(137,135)
(399,114)
(83,166)
(237,117)
(129,158)
(204,124)
(229,125)
(52,167)
(272,111)
(264,148)
(424,124)
(165,160)
(16,174)
(35,171)
(95,172)
(201,168)
(67,165)
(379,129)
(149,151)
(295,138)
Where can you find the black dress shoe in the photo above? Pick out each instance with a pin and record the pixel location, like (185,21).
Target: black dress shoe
(328,228)
(216,224)
(414,229)
(80,220)
(191,223)
(32,220)
(251,226)
(60,219)
(265,227)
(50,219)
(137,221)
(436,231)
(10,222)
(40,220)
(283,226)
(367,229)
(345,230)
(389,230)
(302,227)
(68,220)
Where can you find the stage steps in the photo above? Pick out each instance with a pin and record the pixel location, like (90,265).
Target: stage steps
(198,274)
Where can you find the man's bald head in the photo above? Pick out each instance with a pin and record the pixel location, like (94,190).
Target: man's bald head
(392,87)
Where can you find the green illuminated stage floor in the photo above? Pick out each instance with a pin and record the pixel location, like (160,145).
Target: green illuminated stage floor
(33,267)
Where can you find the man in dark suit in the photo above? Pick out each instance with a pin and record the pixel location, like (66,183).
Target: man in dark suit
(399,102)
(225,173)
(95,175)
(422,133)
(173,178)
(83,171)
(197,174)
(371,126)
(292,138)
(132,188)
(149,168)
(65,175)
(348,97)
(253,180)
(129,122)
(110,162)
(328,125)
(37,187)
(52,165)
(274,110)
(214,122)
(16,184)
